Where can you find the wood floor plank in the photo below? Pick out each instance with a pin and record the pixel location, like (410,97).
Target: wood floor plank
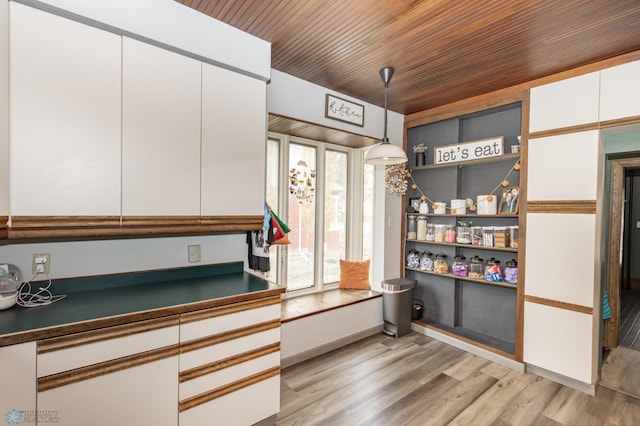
(529,403)
(620,371)
(565,404)
(469,365)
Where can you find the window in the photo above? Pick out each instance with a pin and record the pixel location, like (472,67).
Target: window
(316,196)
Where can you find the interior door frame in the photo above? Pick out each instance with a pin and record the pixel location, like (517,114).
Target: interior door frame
(611,336)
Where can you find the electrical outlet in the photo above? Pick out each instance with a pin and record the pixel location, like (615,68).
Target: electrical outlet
(194,253)
(41,263)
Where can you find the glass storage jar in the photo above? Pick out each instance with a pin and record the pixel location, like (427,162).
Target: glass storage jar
(493,271)
(411,227)
(413,259)
(511,272)
(450,234)
(501,236)
(476,268)
(426,261)
(463,233)
(487,236)
(440,232)
(476,235)
(460,267)
(513,236)
(421,228)
(440,265)
(431,232)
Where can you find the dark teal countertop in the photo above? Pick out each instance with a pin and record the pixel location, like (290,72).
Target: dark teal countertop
(96,302)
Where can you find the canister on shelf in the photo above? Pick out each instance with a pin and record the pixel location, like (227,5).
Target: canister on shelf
(493,271)
(411,227)
(501,236)
(440,232)
(484,206)
(450,234)
(476,268)
(431,232)
(421,228)
(459,206)
(487,236)
(413,259)
(513,236)
(439,207)
(460,267)
(511,272)
(440,264)
(476,235)
(426,261)
(463,233)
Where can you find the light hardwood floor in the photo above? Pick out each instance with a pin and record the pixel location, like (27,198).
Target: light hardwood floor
(416,380)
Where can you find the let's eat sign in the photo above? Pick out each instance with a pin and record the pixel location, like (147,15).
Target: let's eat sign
(467,151)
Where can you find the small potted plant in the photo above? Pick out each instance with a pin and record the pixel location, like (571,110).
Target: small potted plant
(419,151)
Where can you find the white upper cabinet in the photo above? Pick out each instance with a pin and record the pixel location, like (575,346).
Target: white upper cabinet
(160,131)
(565,103)
(620,91)
(65,116)
(233,143)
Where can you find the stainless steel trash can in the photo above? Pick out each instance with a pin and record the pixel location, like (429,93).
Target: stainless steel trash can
(397,298)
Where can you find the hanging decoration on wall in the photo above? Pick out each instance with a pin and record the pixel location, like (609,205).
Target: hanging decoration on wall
(395,178)
(301,182)
(469,201)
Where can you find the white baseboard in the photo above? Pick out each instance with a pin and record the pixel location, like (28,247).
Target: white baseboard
(587,388)
(319,350)
(491,356)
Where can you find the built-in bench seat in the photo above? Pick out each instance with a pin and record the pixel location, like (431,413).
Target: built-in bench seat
(317,323)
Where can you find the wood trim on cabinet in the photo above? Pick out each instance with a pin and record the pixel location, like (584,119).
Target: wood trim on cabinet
(215,339)
(3,227)
(93,336)
(203,370)
(107,367)
(564,130)
(205,397)
(618,122)
(562,206)
(558,304)
(228,309)
(46,228)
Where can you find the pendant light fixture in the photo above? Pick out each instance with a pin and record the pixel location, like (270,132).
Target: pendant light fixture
(384,152)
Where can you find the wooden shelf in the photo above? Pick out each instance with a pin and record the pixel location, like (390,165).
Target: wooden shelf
(498,216)
(470,246)
(473,280)
(503,157)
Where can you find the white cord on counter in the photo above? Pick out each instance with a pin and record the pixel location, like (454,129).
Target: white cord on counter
(28,298)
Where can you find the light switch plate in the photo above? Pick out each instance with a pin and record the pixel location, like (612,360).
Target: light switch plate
(194,253)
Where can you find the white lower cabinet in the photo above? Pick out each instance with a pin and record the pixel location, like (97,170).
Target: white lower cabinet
(118,375)
(230,364)
(18,378)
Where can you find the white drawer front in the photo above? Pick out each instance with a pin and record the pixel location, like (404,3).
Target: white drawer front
(92,353)
(228,375)
(228,349)
(215,325)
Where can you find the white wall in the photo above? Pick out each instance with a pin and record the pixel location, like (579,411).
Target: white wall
(296,98)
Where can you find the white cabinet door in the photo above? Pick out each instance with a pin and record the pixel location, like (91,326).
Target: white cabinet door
(620,92)
(233,143)
(160,131)
(18,376)
(65,116)
(565,103)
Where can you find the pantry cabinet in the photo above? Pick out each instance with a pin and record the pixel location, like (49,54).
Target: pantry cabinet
(160,131)
(475,308)
(65,91)
(620,91)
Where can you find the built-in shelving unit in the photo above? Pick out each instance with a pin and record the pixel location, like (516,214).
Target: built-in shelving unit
(481,312)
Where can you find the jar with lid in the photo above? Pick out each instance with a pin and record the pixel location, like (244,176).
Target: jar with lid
(440,264)
(476,268)
(413,259)
(431,232)
(476,235)
(487,236)
(440,232)
(513,236)
(463,233)
(511,272)
(421,228)
(411,227)
(450,234)
(426,261)
(501,236)
(493,271)
(460,267)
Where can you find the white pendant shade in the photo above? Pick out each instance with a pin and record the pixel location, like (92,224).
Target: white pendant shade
(385,153)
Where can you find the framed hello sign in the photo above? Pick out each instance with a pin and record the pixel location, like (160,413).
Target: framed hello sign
(468,151)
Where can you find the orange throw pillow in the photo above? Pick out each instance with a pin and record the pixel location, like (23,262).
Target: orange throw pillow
(354,275)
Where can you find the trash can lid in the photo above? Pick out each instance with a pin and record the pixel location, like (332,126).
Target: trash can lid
(398,284)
